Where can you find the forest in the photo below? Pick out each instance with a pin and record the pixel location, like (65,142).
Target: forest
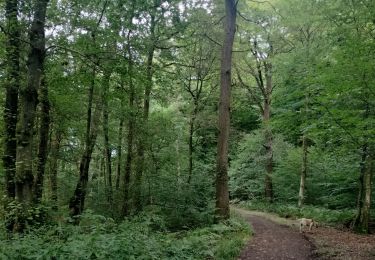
(144,129)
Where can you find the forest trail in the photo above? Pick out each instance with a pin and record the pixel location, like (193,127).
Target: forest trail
(274,241)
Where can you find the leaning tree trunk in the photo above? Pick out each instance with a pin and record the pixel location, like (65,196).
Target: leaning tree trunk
(29,100)
(301,194)
(12,83)
(361,222)
(43,141)
(222,193)
(76,203)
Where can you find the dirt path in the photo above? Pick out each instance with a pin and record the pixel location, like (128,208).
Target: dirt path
(273,241)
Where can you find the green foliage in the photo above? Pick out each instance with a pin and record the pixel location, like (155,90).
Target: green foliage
(98,237)
(322,215)
(331,175)
(247,168)
(32,217)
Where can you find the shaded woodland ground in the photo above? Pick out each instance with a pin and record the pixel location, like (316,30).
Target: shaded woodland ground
(279,238)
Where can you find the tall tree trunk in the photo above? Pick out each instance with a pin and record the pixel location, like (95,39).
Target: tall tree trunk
(130,137)
(12,84)
(43,141)
(55,150)
(107,149)
(76,203)
(191,135)
(222,193)
(302,186)
(268,186)
(103,169)
(29,100)
(301,194)
(361,222)
(178,166)
(119,149)
(146,109)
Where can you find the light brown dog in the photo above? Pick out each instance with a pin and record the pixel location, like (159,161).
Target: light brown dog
(307,222)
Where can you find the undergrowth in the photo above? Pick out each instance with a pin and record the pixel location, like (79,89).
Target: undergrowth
(340,217)
(98,237)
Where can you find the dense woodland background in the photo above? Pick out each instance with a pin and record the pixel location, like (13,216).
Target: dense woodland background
(110,130)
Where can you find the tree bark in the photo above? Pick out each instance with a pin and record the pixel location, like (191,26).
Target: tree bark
(29,100)
(76,203)
(146,109)
(222,193)
(43,141)
(191,135)
(265,86)
(107,149)
(119,149)
(301,194)
(268,186)
(302,186)
(178,163)
(130,137)
(12,84)
(55,149)
(361,222)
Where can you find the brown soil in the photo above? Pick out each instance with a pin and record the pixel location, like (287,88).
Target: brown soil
(279,238)
(273,241)
(337,244)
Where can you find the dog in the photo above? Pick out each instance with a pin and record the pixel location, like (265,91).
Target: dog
(307,222)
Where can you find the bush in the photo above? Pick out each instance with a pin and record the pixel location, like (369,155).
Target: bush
(98,237)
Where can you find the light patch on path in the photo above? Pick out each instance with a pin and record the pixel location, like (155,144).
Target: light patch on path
(274,239)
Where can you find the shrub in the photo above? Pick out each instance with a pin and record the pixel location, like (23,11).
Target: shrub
(98,237)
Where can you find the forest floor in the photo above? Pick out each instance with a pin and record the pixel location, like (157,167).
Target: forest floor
(279,238)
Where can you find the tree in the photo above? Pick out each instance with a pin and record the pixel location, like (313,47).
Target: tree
(29,98)
(77,201)
(12,85)
(43,141)
(131,124)
(222,193)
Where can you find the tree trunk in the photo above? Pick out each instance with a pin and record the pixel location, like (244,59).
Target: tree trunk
(55,149)
(146,109)
(43,141)
(76,203)
(130,137)
(178,166)
(107,149)
(119,149)
(301,194)
(268,186)
(361,222)
(191,135)
(222,193)
(29,100)
(12,84)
